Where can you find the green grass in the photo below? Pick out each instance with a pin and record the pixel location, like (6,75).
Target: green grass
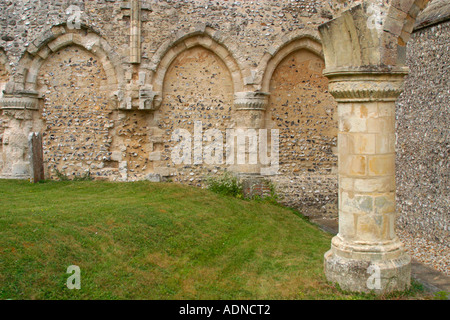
(156,241)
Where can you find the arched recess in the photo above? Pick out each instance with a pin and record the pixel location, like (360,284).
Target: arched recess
(164,58)
(273,59)
(59,37)
(76,115)
(198,95)
(77,74)
(303,111)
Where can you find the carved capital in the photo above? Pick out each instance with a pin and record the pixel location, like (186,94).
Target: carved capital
(20,101)
(350,86)
(149,100)
(251,100)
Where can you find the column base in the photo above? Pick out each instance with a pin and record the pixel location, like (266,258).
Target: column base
(361,275)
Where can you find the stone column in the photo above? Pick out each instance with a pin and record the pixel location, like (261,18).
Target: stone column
(250,113)
(367,255)
(250,109)
(20,114)
(135,32)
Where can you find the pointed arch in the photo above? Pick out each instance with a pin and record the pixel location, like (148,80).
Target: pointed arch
(170,52)
(306,42)
(59,37)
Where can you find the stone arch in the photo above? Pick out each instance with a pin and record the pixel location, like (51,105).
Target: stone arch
(59,37)
(399,24)
(198,95)
(76,116)
(273,59)
(164,58)
(360,46)
(303,111)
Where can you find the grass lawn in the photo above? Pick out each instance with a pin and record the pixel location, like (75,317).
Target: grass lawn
(157,241)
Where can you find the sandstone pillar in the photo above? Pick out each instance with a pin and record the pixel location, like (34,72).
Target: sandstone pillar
(366,255)
(250,112)
(19,113)
(364,49)
(135,32)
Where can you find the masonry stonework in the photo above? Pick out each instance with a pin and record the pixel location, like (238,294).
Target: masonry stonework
(108,83)
(76,115)
(4,77)
(422,162)
(305,113)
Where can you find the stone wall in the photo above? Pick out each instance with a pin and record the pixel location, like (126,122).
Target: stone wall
(101,111)
(304,112)
(76,114)
(195,56)
(423,137)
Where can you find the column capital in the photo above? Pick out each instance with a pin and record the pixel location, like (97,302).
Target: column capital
(20,101)
(366,85)
(250,100)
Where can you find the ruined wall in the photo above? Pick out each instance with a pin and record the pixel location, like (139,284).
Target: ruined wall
(89,94)
(85,131)
(257,24)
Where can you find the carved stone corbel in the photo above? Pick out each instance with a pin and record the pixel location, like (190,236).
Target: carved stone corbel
(144,99)
(149,99)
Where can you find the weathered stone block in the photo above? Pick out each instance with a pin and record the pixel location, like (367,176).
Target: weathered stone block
(369,276)
(381,165)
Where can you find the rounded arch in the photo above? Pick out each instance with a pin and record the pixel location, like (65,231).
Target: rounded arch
(170,52)
(58,38)
(304,42)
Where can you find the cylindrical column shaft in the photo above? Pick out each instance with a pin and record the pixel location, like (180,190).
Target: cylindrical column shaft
(366,255)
